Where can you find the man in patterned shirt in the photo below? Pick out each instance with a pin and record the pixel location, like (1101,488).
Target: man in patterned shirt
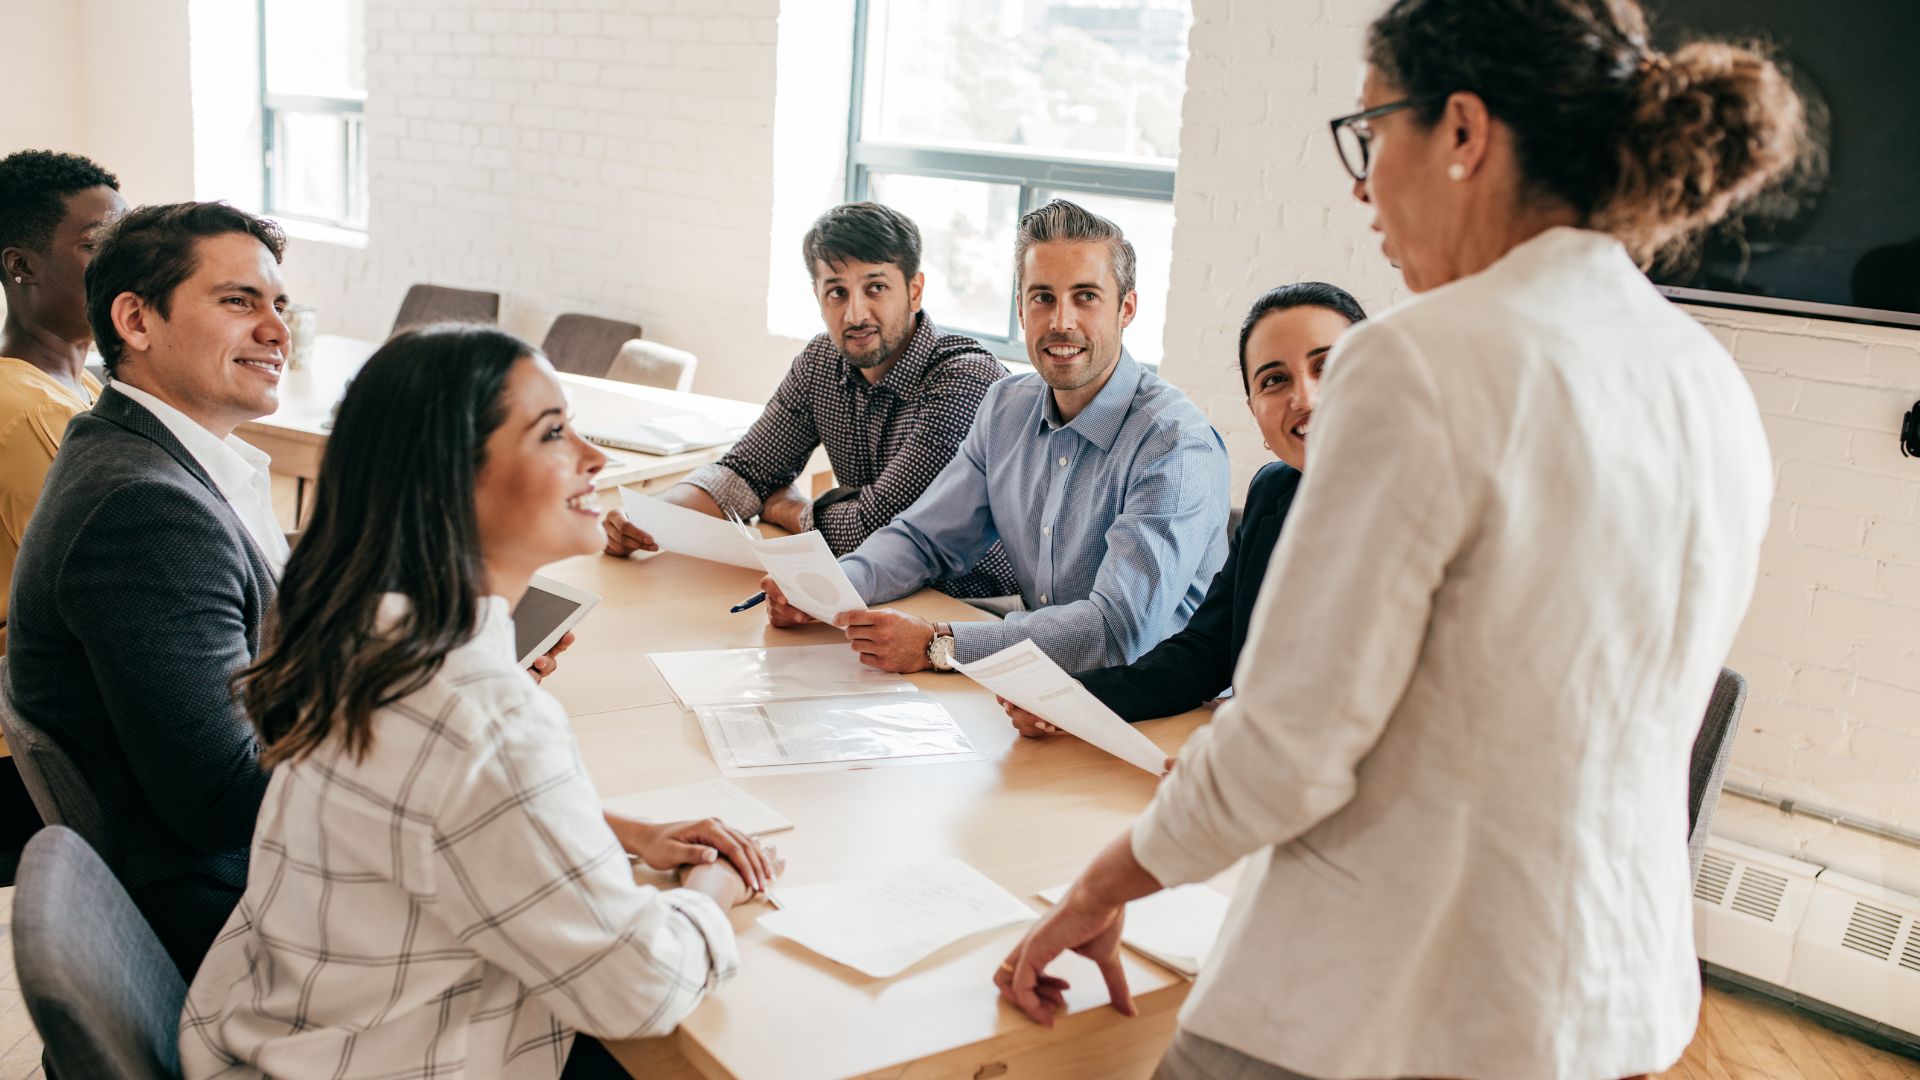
(888,393)
(1106,486)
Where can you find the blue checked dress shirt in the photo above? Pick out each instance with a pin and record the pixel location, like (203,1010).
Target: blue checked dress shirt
(1115,522)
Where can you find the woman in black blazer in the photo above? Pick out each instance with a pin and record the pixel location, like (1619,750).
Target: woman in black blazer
(1284,343)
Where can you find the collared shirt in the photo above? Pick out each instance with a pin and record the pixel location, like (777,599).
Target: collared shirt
(1456,757)
(452,904)
(886,440)
(1115,521)
(34,410)
(239,470)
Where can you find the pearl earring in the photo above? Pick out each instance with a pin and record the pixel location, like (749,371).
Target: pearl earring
(17,279)
(1456,171)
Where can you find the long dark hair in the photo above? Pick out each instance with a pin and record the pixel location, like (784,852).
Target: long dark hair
(1299,294)
(1648,145)
(393,512)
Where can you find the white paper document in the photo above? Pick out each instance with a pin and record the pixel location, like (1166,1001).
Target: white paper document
(730,676)
(806,568)
(808,573)
(1176,926)
(688,532)
(1024,675)
(883,926)
(707,799)
(863,728)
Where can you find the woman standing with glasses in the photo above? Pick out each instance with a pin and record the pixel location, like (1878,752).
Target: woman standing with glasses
(1531,530)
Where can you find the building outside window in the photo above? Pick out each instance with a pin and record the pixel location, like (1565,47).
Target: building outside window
(968,113)
(313,78)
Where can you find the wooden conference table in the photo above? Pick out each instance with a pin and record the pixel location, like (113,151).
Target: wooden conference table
(295,434)
(1029,816)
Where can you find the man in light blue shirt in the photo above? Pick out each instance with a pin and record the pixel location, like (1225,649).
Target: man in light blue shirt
(1106,485)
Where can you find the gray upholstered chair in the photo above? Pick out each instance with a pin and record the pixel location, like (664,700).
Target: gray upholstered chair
(52,780)
(648,363)
(103,994)
(1708,769)
(587,344)
(426,304)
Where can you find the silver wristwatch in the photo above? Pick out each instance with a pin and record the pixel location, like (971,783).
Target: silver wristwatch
(940,651)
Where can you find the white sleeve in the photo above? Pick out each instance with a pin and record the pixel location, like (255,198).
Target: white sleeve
(1338,627)
(528,873)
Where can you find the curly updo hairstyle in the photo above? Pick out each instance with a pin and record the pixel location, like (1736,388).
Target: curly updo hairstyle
(1652,147)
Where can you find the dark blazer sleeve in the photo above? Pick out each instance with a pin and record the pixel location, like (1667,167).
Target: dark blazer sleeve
(153,586)
(1195,665)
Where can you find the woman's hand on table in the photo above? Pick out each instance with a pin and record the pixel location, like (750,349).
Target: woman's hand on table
(674,844)
(1087,920)
(1082,924)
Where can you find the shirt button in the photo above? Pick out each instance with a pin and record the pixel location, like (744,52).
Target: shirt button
(1043,598)
(1063,463)
(1046,530)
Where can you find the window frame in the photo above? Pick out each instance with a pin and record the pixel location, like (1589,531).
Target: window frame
(1032,172)
(351,107)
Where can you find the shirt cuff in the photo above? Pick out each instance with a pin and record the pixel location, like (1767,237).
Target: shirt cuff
(723,953)
(973,640)
(728,489)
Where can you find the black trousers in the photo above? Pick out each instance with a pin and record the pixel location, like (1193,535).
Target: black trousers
(588,1060)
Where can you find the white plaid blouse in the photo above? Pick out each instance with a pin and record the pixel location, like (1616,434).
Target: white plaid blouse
(453,905)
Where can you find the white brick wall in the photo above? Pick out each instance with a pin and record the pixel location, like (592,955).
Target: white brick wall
(616,156)
(607,156)
(1832,642)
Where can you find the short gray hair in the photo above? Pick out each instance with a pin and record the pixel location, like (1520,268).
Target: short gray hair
(1061,220)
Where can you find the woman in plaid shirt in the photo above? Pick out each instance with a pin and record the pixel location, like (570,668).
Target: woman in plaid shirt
(434,888)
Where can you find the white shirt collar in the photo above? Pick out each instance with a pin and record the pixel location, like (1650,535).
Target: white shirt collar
(233,464)
(239,471)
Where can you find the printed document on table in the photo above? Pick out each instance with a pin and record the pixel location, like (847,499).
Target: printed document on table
(706,799)
(728,676)
(807,572)
(885,925)
(1024,675)
(1176,926)
(861,729)
(688,532)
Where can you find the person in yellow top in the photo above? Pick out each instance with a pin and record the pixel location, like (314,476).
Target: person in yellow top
(51,205)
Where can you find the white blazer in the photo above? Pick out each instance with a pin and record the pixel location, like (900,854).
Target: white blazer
(1457,754)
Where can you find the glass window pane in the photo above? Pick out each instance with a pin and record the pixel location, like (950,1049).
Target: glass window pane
(1149,227)
(1095,77)
(319,167)
(317,47)
(966,243)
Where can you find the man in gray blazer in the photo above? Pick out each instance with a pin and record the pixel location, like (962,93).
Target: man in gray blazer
(150,561)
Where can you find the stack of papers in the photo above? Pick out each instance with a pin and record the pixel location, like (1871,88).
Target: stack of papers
(881,927)
(731,676)
(1029,678)
(707,799)
(806,569)
(1176,927)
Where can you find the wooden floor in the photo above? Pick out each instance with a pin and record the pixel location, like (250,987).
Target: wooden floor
(1745,1036)
(1742,1037)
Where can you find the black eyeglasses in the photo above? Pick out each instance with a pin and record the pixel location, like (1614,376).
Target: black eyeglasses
(1352,135)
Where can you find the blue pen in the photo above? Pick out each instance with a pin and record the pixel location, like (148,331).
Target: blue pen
(747,603)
